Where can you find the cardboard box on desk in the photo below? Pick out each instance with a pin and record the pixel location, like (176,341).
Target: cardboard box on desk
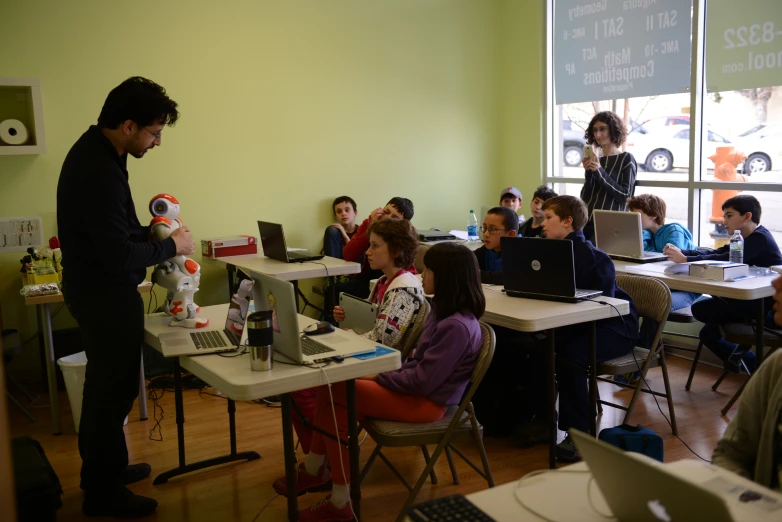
(229,246)
(718,270)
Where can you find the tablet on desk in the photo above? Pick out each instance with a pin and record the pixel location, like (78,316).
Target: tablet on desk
(360,314)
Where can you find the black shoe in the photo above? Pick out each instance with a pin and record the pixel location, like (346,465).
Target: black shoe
(533,432)
(733,362)
(567,452)
(122,504)
(136,472)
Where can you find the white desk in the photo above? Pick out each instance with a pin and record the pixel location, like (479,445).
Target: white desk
(534,315)
(757,289)
(234,378)
(472,245)
(545,494)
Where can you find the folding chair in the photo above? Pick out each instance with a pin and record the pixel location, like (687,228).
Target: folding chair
(410,338)
(458,425)
(652,300)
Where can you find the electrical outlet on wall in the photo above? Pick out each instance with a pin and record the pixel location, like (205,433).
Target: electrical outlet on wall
(19,233)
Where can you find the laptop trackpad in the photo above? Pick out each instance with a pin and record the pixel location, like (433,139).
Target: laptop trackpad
(175,339)
(332,339)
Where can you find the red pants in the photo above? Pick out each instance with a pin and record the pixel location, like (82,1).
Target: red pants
(372,400)
(305,400)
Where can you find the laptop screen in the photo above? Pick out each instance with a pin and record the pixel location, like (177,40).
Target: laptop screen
(273,241)
(538,266)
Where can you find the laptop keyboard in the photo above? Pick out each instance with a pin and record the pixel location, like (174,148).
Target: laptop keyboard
(310,347)
(209,339)
(453,507)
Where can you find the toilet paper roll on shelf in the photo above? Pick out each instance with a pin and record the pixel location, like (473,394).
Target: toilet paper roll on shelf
(13,132)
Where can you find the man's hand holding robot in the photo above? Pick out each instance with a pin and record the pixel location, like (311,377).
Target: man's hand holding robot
(179,275)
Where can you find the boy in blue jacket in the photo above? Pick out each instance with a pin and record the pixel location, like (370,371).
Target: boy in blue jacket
(564,218)
(741,213)
(499,222)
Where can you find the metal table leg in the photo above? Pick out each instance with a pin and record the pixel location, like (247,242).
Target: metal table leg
(51,371)
(759,337)
(142,391)
(551,393)
(593,378)
(355,473)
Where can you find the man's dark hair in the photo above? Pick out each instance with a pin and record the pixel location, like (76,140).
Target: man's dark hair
(457,280)
(509,218)
(401,238)
(616,128)
(744,203)
(139,100)
(544,193)
(343,199)
(568,207)
(404,206)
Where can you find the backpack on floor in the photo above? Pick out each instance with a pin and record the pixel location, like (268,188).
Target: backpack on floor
(634,438)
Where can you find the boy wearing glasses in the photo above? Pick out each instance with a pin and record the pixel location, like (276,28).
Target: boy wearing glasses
(499,222)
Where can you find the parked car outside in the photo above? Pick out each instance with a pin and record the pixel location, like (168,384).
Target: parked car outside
(763,146)
(668,147)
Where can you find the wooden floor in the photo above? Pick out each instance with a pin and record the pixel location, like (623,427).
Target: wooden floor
(238,491)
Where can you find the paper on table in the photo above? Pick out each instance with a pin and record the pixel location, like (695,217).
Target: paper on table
(461,234)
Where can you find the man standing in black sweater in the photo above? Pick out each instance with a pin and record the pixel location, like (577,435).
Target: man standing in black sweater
(105,255)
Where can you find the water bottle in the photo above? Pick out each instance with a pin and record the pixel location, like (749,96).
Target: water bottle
(736,248)
(472,227)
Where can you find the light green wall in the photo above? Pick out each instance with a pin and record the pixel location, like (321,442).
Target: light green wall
(285,105)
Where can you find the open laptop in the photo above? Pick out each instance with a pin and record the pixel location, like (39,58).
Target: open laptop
(637,487)
(537,268)
(619,235)
(270,293)
(200,341)
(274,246)
(360,314)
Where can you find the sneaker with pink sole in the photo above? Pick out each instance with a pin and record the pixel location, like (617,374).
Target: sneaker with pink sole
(325,511)
(306,483)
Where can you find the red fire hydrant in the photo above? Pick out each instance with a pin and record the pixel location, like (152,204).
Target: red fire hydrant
(725,162)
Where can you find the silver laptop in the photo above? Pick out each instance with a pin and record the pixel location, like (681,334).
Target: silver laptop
(360,314)
(619,235)
(637,487)
(270,293)
(201,341)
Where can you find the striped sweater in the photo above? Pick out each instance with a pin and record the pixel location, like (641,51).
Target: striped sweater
(609,187)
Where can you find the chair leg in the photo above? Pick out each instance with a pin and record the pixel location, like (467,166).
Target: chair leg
(419,484)
(599,404)
(668,393)
(476,435)
(633,399)
(432,474)
(719,381)
(735,397)
(19,405)
(694,365)
(454,473)
(21,388)
(369,463)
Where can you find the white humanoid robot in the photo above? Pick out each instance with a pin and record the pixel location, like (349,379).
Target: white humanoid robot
(179,275)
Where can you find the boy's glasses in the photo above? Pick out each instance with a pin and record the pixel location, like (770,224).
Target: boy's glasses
(492,231)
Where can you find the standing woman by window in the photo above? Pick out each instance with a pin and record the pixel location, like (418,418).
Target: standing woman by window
(609,180)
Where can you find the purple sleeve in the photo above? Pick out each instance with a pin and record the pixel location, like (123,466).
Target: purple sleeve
(449,341)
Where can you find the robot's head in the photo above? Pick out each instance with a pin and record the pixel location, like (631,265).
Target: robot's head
(164,205)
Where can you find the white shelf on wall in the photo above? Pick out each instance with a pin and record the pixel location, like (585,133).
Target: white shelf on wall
(20,99)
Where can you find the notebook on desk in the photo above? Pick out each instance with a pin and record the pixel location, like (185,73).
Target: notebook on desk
(637,487)
(536,268)
(274,246)
(270,293)
(619,235)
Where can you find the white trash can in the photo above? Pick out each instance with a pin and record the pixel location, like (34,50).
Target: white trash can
(74,370)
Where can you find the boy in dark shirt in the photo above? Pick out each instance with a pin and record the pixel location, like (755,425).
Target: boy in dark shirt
(533,227)
(564,218)
(499,222)
(741,213)
(342,231)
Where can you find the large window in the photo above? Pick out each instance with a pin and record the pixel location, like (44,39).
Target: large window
(695,146)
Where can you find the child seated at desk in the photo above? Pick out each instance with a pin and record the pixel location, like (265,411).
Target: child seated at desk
(420,391)
(564,218)
(741,213)
(499,222)
(340,233)
(392,247)
(657,235)
(511,197)
(533,227)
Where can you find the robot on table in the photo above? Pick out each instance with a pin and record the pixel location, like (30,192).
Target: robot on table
(179,275)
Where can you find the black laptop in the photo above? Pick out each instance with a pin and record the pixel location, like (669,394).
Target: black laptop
(274,246)
(536,268)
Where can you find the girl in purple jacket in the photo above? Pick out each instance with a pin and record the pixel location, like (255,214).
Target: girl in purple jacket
(420,391)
